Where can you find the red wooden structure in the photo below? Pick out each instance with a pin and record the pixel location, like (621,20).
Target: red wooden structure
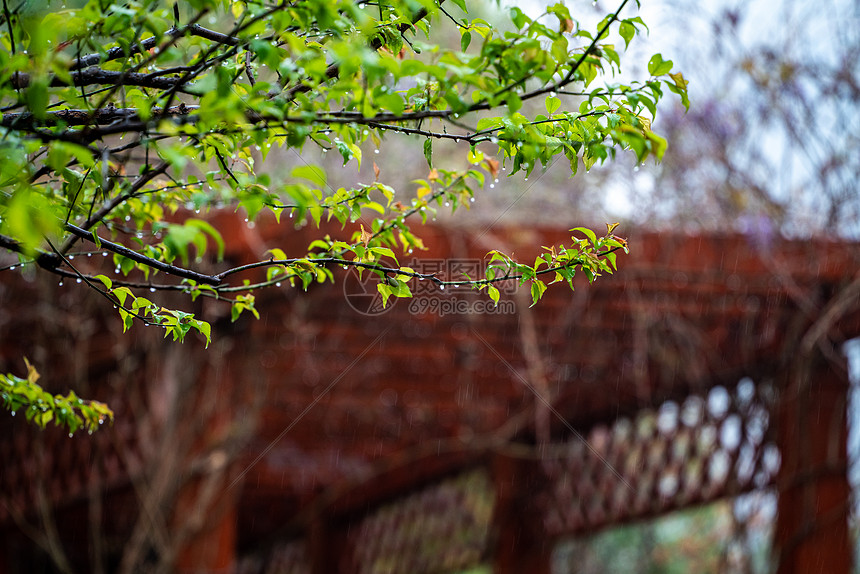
(441,434)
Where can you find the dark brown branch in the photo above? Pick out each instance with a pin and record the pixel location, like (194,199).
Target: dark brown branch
(45,260)
(74,117)
(394,271)
(142,259)
(93,75)
(218,37)
(91,283)
(117,52)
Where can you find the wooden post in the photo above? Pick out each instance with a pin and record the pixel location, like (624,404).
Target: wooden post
(213,549)
(812,524)
(520,544)
(328,546)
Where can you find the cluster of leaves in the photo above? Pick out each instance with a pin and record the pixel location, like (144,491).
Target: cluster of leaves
(593,255)
(41,407)
(175,322)
(121,122)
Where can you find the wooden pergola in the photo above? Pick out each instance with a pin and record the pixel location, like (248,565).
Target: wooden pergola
(439,434)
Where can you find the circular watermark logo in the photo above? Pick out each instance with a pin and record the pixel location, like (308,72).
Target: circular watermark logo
(362,295)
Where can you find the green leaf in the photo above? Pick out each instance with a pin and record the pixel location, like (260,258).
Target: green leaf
(205,329)
(657,66)
(588,233)
(465,40)
(428,152)
(391,102)
(383,252)
(312,173)
(207,228)
(386,291)
(494,294)
(401,288)
(627,31)
(36,96)
(537,290)
(108,283)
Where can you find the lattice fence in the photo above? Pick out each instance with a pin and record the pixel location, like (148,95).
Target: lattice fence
(442,528)
(701,449)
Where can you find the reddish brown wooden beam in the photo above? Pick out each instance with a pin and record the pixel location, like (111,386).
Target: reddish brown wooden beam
(812,532)
(519,542)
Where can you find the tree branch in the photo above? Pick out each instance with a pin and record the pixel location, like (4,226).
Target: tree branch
(99,76)
(118,52)
(44,259)
(139,258)
(75,117)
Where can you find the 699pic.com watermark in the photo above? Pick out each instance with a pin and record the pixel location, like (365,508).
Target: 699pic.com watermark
(362,294)
(454,305)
